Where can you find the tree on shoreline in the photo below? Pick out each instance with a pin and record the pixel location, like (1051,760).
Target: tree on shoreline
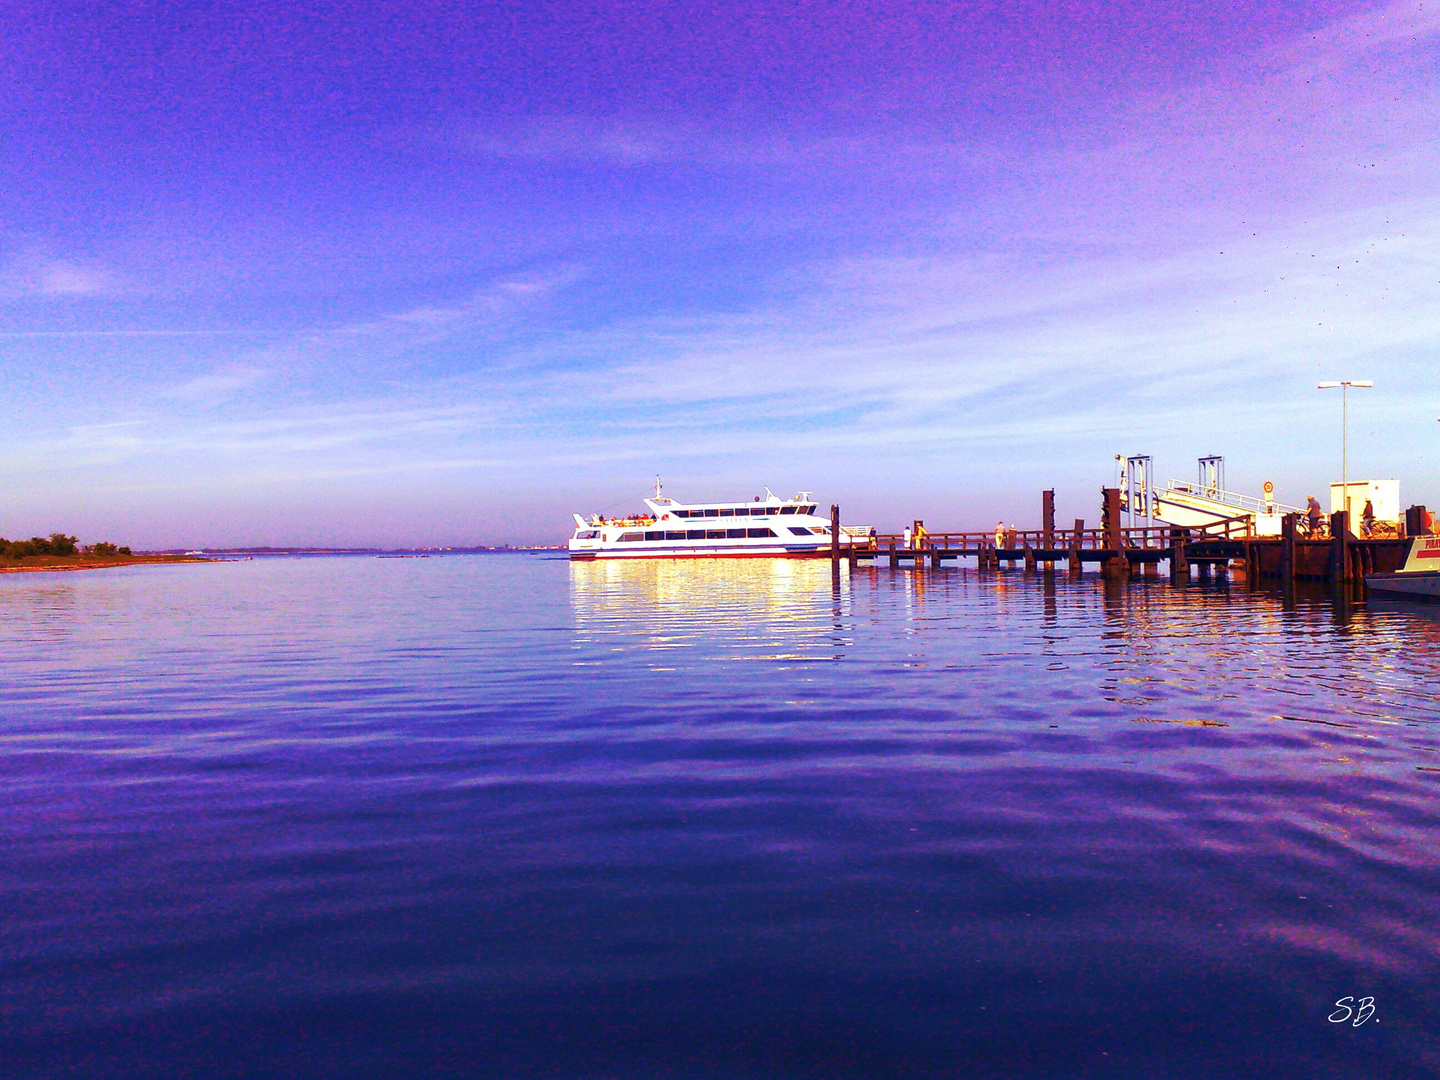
(56,544)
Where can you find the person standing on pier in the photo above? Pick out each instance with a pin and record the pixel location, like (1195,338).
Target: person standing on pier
(1367,518)
(1313,514)
(999,534)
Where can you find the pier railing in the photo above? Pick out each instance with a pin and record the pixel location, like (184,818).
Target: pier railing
(1061,540)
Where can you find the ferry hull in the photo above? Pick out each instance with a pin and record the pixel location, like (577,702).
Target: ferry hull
(1418,579)
(1423,586)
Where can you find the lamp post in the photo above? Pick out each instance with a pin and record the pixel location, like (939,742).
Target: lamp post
(1345,385)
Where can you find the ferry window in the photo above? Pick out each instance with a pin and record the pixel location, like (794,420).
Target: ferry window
(807,509)
(759,532)
(772,510)
(715,534)
(712,513)
(655,534)
(588,534)
(787,509)
(799,532)
(727,513)
(631,538)
(734,533)
(675,535)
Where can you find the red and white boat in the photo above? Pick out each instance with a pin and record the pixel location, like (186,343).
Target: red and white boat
(766,526)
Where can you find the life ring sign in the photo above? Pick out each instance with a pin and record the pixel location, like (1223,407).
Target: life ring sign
(1269,497)
(1269,487)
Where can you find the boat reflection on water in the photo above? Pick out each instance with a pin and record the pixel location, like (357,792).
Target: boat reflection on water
(748,609)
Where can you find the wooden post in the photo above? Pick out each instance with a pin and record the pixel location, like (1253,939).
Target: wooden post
(1029,559)
(1047,523)
(894,556)
(834,535)
(1415,521)
(1076,539)
(1179,564)
(1338,565)
(1118,565)
(1287,547)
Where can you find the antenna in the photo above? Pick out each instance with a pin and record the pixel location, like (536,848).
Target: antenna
(657,487)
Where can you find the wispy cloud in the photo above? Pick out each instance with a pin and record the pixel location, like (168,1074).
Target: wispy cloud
(35,273)
(217,387)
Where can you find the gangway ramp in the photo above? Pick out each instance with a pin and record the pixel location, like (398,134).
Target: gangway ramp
(1192,506)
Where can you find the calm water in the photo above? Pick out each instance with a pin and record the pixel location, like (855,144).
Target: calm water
(502,816)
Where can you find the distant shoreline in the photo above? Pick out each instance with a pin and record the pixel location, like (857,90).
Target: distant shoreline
(45,564)
(501,549)
(37,564)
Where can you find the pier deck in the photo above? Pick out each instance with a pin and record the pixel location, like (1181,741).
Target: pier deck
(1119,551)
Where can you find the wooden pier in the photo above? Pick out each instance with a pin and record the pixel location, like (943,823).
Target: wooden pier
(1337,555)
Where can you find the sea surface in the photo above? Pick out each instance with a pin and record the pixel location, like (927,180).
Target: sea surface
(504,816)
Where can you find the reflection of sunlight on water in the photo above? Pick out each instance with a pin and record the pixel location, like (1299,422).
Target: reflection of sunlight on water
(754,609)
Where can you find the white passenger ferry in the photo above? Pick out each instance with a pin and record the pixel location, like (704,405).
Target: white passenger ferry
(767,526)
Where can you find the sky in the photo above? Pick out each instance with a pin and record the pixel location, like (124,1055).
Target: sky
(442,273)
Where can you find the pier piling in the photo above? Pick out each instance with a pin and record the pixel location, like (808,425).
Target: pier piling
(1047,523)
(1117,564)
(1338,565)
(1415,521)
(1288,525)
(1179,564)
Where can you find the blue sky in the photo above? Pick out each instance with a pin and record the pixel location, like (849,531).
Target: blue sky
(430,273)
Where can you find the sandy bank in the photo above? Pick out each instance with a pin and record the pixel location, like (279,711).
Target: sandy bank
(46,564)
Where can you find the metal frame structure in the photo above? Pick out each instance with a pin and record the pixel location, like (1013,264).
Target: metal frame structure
(1212,475)
(1137,500)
